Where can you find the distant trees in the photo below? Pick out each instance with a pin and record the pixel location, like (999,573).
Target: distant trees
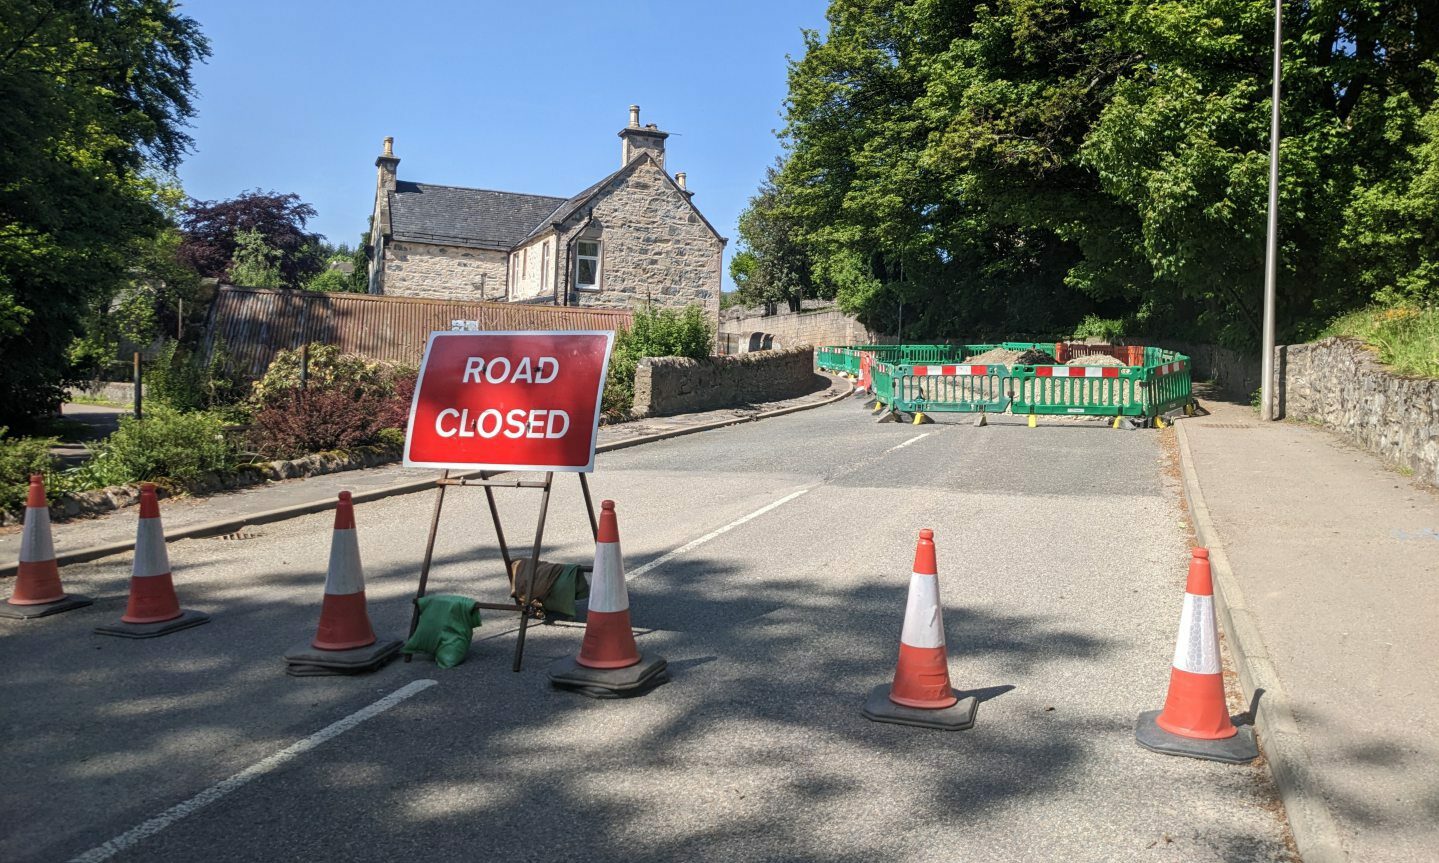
(94,97)
(1006,167)
(266,229)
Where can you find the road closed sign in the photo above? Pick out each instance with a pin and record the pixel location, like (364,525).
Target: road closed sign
(509,400)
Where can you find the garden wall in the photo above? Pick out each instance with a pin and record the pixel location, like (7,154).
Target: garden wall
(672,385)
(1340,385)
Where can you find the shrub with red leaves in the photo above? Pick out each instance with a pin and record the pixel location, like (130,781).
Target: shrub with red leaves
(320,420)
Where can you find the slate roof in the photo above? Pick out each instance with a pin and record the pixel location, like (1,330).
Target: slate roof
(456,216)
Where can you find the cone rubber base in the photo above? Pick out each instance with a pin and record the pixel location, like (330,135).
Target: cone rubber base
(69,602)
(957,717)
(1238,749)
(187,619)
(636,679)
(307,661)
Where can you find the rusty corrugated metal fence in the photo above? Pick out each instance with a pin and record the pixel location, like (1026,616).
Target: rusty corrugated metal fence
(253,324)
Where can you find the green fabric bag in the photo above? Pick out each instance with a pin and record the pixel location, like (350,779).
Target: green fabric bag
(446,625)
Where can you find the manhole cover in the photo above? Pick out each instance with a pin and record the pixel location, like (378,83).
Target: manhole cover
(240,534)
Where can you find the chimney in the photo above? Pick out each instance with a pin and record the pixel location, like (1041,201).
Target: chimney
(388,163)
(680,180)
(635,140)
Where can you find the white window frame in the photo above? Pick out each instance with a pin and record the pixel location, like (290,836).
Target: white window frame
(598,258)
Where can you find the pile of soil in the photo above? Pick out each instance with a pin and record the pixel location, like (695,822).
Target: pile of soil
(1096,360)
(1002,357)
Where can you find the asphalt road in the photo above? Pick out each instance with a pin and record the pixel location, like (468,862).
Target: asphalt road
(1061,554)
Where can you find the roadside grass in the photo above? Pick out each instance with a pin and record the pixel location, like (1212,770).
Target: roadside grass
(1406,338)
(83,399)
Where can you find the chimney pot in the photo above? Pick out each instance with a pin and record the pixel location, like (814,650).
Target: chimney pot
(680,180)
(389,146)
(634,116)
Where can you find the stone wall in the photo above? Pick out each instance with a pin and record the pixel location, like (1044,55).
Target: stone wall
(532,270)
(672,385)
(444,272)
(1337,383)
(816,327)
(655,249)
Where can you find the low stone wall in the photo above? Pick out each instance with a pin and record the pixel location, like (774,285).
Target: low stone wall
(115,393)
(1337,383)
(672,385)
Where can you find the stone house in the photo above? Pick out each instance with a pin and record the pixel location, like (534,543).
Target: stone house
(634,237)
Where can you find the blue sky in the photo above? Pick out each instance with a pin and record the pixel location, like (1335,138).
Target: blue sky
(523,97)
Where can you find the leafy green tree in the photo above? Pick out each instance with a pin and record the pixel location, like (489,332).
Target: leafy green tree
(1018,165)
(772,265)
(255,264)
(94,95)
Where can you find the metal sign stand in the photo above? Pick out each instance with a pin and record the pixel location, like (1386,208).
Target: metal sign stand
(489,484)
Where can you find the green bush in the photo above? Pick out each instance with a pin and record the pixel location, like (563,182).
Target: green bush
(20,457)
(654,333)
(328,369)
(1095,327)
(184,380)
(166,444)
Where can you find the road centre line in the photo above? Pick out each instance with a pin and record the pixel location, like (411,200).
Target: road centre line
(914,439)
(692,544)
(149,828)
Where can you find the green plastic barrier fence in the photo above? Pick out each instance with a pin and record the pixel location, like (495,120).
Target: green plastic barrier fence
(934,378)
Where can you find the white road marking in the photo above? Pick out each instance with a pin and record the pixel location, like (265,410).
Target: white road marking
(908,442)
(662,559)
(138,834)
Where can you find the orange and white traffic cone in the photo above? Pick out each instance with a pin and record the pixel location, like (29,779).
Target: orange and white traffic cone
(344,642)
(153,608)
(609,663)
(1195,719)
(37,590)
(921,693)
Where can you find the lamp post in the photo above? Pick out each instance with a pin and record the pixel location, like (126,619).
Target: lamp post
(1271,251)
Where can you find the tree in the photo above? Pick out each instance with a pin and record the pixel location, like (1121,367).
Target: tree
(771,265)
(212,228)
(1015,165)
(94,97)
(255,264)
(333,279)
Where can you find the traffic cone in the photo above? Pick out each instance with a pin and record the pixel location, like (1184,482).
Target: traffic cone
(153,608)
(37,590)
(609,664)
(920,693)
(344,641)
(1195,719)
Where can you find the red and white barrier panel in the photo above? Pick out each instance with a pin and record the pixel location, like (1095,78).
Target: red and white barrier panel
(1076,371)
(941,371)
(1171,368)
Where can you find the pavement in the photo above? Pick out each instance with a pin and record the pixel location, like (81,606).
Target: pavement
(769,563)
(231,511)
(1328,566)
(96,422)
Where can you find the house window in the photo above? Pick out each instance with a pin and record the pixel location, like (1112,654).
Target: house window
(544,266)
(587,265)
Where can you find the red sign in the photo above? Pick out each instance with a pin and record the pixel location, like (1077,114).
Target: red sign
(509,400)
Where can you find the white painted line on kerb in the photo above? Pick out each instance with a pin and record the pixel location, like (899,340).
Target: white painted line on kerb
(638,571)
(138,834)
(917,437)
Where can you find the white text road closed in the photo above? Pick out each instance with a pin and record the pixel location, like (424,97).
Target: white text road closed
(519,400)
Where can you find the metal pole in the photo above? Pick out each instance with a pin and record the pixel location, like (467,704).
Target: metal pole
(1271,251)
(429,556)
(304,366)
(529,593)
(137,385)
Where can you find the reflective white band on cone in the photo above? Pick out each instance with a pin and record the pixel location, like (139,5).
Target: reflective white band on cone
(35,544)
(151,557)
(345,575)
(923,619)
(1196,650)
(607,582)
